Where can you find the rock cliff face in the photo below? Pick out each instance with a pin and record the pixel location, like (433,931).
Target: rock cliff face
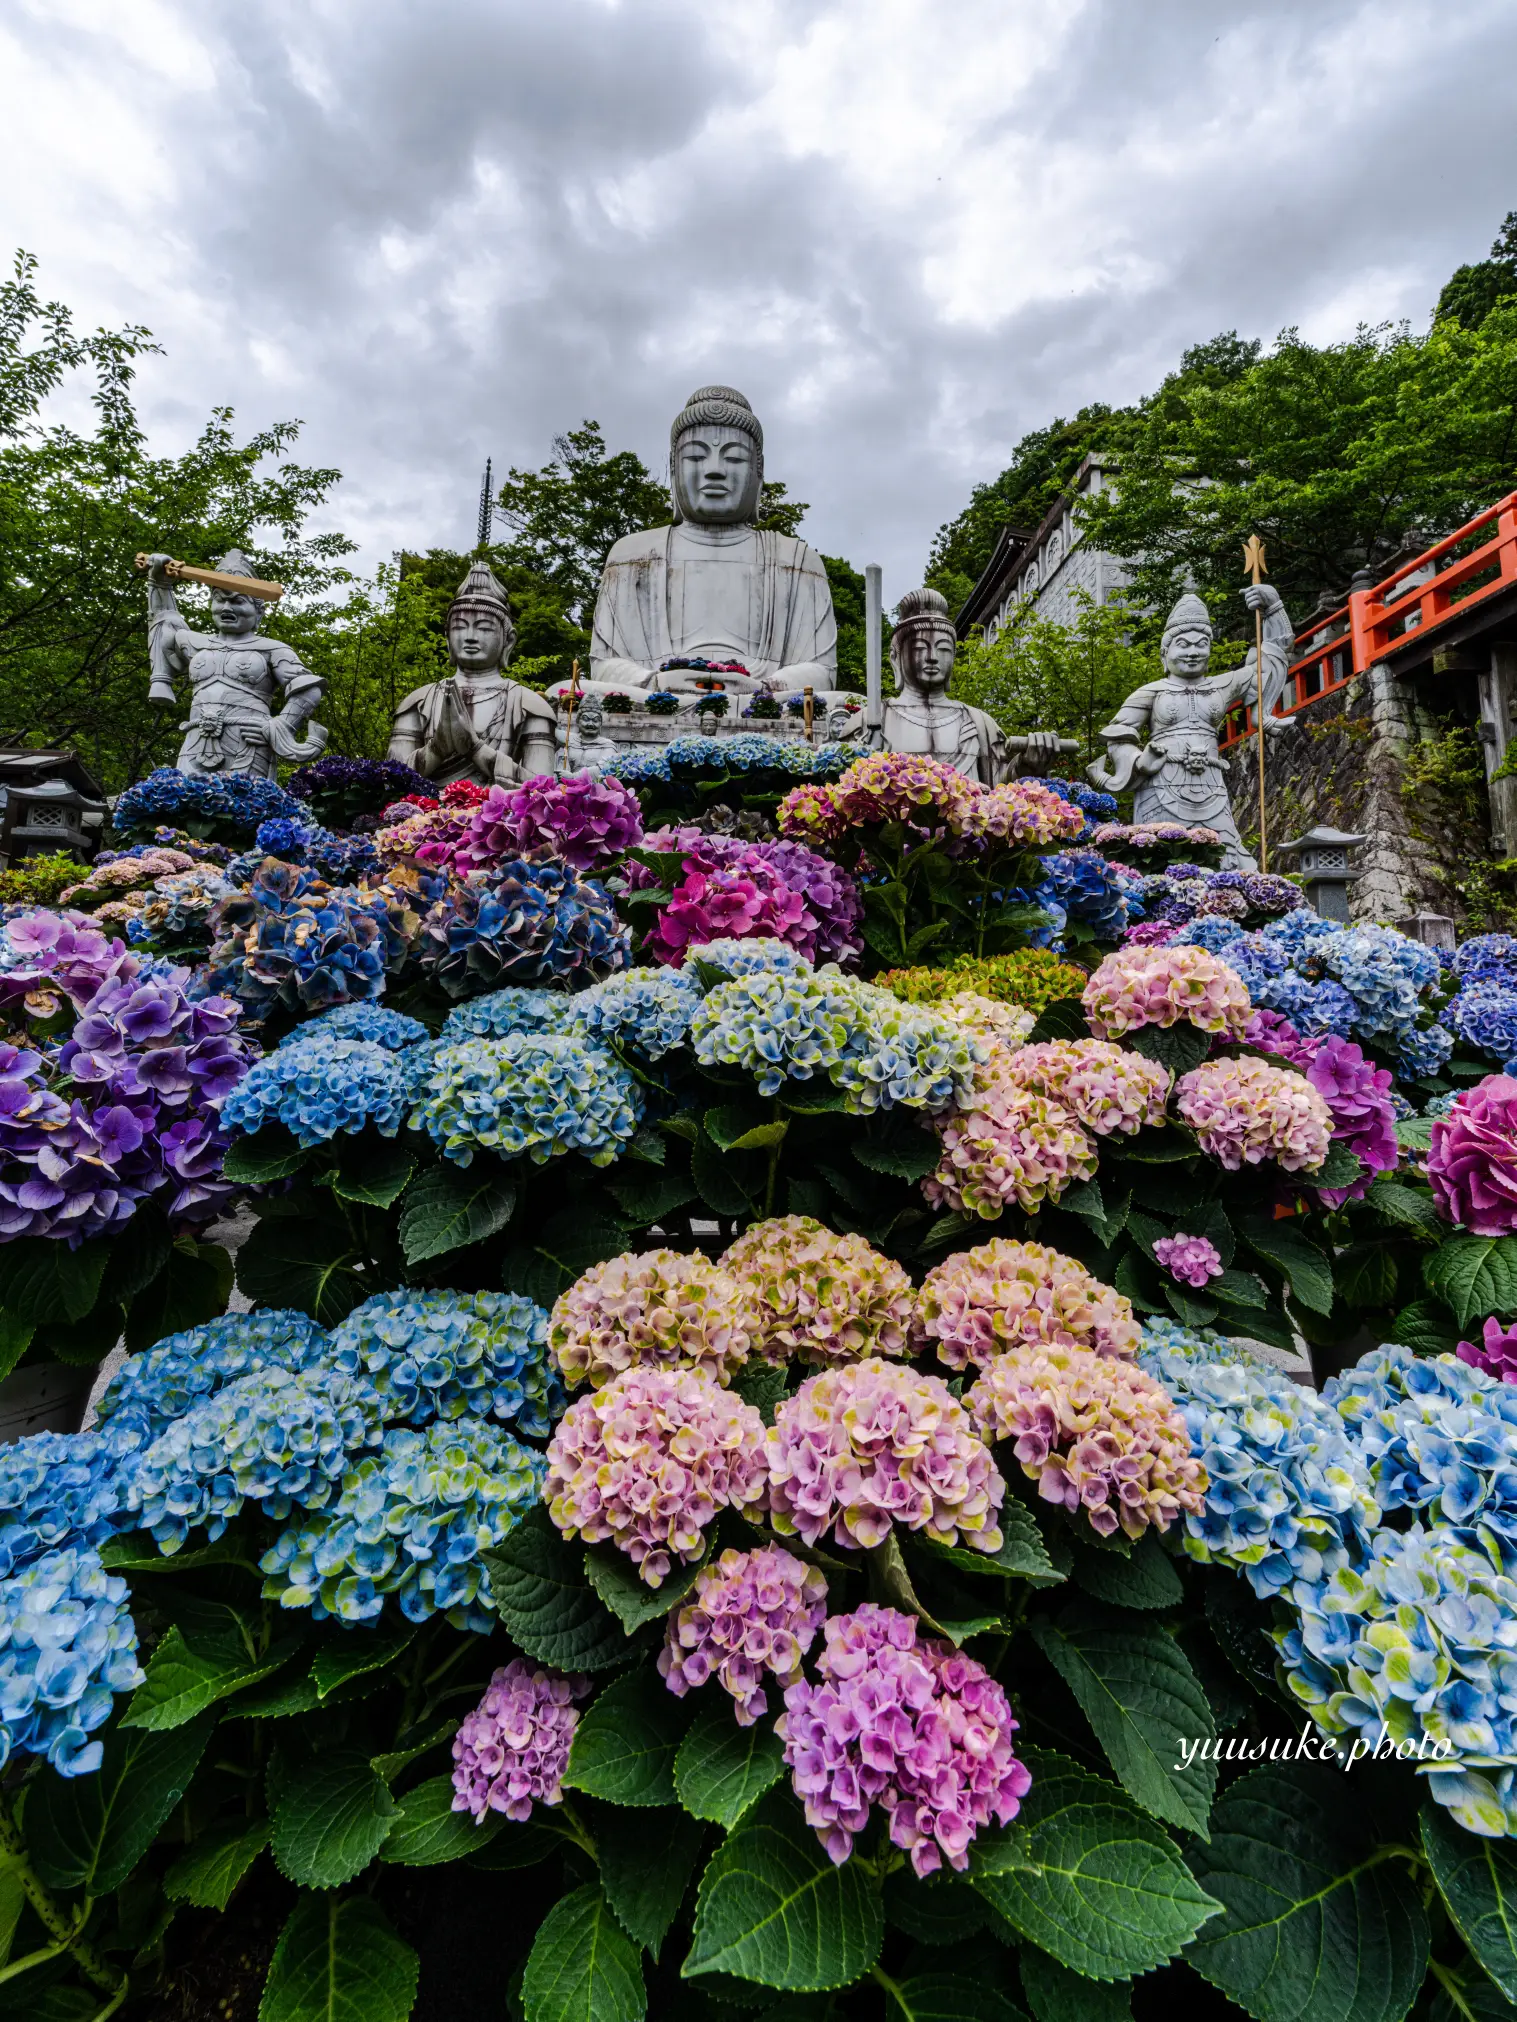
(1379,759)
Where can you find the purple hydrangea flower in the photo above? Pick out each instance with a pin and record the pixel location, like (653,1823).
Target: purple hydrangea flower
(751,1612)
(1189,1260)
(513,1749)
(1497,1354)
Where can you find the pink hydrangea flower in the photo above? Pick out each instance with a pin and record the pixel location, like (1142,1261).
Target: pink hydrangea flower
(1246,1110)
(727,903)
(1189,1260)
(584,819)
(1021,811)
(798,895)
(1002,1295)
(1008,1145)
(751,1612)
(869,1444)
(1472,1160)
(987,1019)
(903,786)
(512,1750)
(1497,1355)
(826,1297)
(1137,986)
(914,1727)
(1103,1087)
(649,1459)
(1095,1434)
(811,814)
(657,1308)
(1150,934)
(1358,1097)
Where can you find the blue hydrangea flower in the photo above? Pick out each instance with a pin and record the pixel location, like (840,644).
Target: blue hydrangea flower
(1218,935)
(152,1389)
(526,1094)
(319,1089)
(371,1022)
(67,1645)
(515,1010)
(522,922)
(1484,1016)
(1088,889)
(453,1355)
(759,956)
(1487,958)
(233,802)
(648,1010)
(277,1437)
(1288,1494)
(411,1521)
(59,1490)
(1423,1049)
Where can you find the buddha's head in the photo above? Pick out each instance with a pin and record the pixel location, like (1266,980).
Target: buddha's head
(1186,646)
(480,631)
(233,614)
(716,459)
(923,643)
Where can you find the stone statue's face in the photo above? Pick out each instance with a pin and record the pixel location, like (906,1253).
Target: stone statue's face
(717,472)
(923,654)
(234,615)
(1188,653)
(476,639)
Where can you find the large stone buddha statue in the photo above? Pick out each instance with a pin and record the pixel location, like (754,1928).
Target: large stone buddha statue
(713,586)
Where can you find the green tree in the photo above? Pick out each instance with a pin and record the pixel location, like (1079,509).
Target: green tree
(777,513)
(1471,293)
(77,506)
(1337,456)
(566,517)
(1038,675)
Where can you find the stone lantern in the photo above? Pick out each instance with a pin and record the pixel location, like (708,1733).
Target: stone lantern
(48,802)
(1325,863)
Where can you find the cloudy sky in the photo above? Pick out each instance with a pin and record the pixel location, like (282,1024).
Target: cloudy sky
(909,230)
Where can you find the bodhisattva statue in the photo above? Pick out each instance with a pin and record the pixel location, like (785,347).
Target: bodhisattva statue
(921,717)
(477,724)
(1181,776)
(713,586)
(235,674)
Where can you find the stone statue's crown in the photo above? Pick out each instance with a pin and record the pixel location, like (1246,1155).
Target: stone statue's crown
(1188,615)
(235,563)
(716,407)
(480,587)
(920,604)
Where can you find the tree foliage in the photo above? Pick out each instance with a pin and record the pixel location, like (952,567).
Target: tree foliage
(565,518)
(1471,293)
(1039,675)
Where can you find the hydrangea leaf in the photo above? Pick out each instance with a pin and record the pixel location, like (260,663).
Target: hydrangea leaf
(627,1595)
(89,1832)
(1088,1877)
(1064,1018)
(1137,1690)
(1319,1924)
(1054,1994)
(1474,1276)
(1366,1274)
(193,1286)
(331,1818)
(375,1174)
(566,1246)
(1425,1327)
(583,1967)
(1145,1579)
(645,1868)
(1306,1270)
(626,1742)
(185,1675)
(1477,1999)
(946,1997)
(338,1960)
(428,1831)
(272,1153)
(1339,1169)
(898,1146)
(537,1582)
(354,1652)
(41,1279)
(1414,1133)
(943,1910)
(773,1908)
(722,1770)
(517,1846)
(447,1210)
(304,1264)
(1177,1047)
(206,1874)
(729,1182)
(645,1198)
(1477,1878)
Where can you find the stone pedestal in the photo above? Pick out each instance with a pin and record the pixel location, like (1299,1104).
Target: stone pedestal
(1497,686)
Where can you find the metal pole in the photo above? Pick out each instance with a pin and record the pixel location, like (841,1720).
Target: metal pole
(874,706)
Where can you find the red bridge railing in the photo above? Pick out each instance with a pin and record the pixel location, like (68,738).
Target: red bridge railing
(1375,624)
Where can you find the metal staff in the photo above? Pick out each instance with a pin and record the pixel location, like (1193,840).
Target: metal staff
(1253,562)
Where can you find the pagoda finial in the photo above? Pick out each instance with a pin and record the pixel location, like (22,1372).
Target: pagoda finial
(486,508)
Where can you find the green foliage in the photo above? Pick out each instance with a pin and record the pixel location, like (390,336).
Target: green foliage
(338,1960)
(566,517)
(583,1967)
(1038,675)
(38,881)
(722,1770)
(1471,293)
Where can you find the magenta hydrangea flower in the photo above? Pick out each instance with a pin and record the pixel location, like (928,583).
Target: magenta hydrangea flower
(1102,1086)
(1135,987)
(1246,1110)
(1189,1260)
(826,1297)
(1472,1160)
(659,1308)
(979,1303)
(649,1459)
(750,1613)
(797,896)
(1358,1097)
(869,1444)
(718,903)
(584,819)
(920,1730)
(1008,1144)
(1273,1032)
(1096,1434)
(512,1750)
(1497,1354)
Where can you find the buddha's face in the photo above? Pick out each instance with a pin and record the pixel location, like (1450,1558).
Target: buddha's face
(717,473)
(922,653)
(1187,653)
(476,638)
(234,615)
